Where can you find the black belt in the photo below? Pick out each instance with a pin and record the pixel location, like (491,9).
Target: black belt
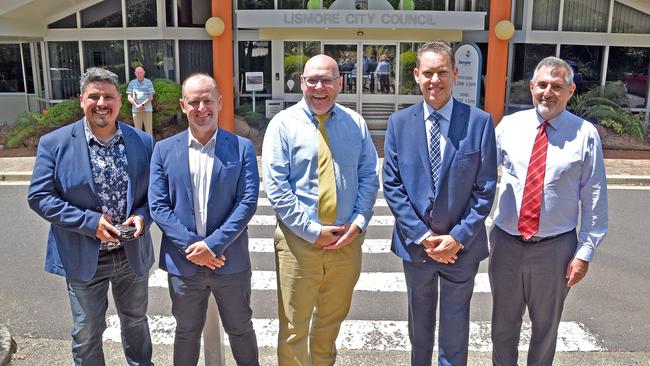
(534,239)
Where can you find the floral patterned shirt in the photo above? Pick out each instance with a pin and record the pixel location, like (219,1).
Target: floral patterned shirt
(109,167)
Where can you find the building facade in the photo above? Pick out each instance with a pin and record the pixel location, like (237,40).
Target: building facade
(45,45)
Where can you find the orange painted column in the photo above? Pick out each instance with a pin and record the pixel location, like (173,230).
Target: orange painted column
(222,60)
(497,62)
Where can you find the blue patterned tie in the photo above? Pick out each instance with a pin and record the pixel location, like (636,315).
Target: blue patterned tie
(434,147)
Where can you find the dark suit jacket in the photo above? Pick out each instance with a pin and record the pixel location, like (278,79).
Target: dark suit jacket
(234,188)
(62,192)
(466,186)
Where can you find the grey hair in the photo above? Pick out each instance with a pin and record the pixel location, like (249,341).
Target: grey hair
(97,74)
(199,75)
(554,63)
(442,47)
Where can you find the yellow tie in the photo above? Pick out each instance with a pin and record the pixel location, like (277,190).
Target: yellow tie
(326,180)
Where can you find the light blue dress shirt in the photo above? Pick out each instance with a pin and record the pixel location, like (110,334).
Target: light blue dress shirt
(290,168)
(574,184)
(140,91)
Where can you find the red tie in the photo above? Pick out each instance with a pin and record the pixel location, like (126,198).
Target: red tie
(531,202)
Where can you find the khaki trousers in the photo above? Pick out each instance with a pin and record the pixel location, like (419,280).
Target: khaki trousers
(314,288)
(143,117)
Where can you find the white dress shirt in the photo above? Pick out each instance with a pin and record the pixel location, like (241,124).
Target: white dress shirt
(201,160)
(574,180)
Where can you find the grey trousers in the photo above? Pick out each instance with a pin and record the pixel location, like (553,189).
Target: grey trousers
(527,275)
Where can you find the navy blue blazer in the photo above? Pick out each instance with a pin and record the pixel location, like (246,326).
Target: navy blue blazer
(62,192)
(466,186)
(232,202)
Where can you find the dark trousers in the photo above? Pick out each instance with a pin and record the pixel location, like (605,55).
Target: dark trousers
(89,301)
(456,289)
(527,275)
(189,303)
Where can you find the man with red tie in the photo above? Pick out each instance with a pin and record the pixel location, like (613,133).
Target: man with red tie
(553,179)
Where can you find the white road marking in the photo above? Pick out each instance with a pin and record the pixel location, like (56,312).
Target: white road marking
(368,281)
(379,335)
(257,245)
(264,202)
(269,220)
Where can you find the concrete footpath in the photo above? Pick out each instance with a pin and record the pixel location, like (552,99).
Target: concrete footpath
(633,172)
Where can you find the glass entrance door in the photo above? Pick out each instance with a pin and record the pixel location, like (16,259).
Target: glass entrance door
(369,84)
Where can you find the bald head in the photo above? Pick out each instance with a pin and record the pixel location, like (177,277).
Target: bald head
(320,83)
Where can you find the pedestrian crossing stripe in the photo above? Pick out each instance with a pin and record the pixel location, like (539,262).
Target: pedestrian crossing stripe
(376,220)
(371,246)
(264,202)
(378,335)
(368,281)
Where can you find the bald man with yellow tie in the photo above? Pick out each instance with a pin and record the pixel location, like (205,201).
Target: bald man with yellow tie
(320,174)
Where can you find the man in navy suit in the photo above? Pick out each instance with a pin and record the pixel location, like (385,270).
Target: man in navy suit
(203,191)
(89,176)
(439,179)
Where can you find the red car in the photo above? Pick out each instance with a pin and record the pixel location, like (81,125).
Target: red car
(636,82)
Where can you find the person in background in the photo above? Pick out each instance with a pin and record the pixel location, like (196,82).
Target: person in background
(140,93)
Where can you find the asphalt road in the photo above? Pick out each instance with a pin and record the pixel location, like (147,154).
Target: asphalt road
(612,301)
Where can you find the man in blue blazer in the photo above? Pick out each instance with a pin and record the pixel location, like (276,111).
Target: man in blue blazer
(439,180)
(203,192)
(88,177)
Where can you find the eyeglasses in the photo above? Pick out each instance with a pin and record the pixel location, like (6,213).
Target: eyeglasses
(325,81)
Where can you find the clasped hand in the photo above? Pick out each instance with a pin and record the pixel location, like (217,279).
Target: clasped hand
(199,254)
(441,248)
(337,237)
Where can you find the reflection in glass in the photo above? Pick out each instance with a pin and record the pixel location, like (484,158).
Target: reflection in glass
(195,56)
(585,16)
(141,13)
(194,13)
(546,15)
(64,69)
(105,14)
(629,20)
(29,73)
(156,56)
(295,56)
(586,62)
(105,54)
(346,56)
(629,66)
(408,56)
(255,56)
(11,71)
(294,4)
(423,4)
(525,58)
(254,4)
(378,69)
(68,22)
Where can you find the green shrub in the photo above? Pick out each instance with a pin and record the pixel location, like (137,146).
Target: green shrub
(409,86)
(61,114)
(604,104)
(25,126)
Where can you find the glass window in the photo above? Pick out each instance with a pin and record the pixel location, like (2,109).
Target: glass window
(346,56)
(407,57)
(295,56)
(64,69)
(545,14)
(585,15)
(629,20)
(156,56)
(105,14)
(295,4)
(193,13)
(255,56)
(41,74)
(255,4)
(519,14)
(105,54)
(423,4)
(195,56)
(68,22)
(586,62)
(378,69)
(169,13)
(29,73)
(11,71)
(524,59)
(629,65)
(141,13)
